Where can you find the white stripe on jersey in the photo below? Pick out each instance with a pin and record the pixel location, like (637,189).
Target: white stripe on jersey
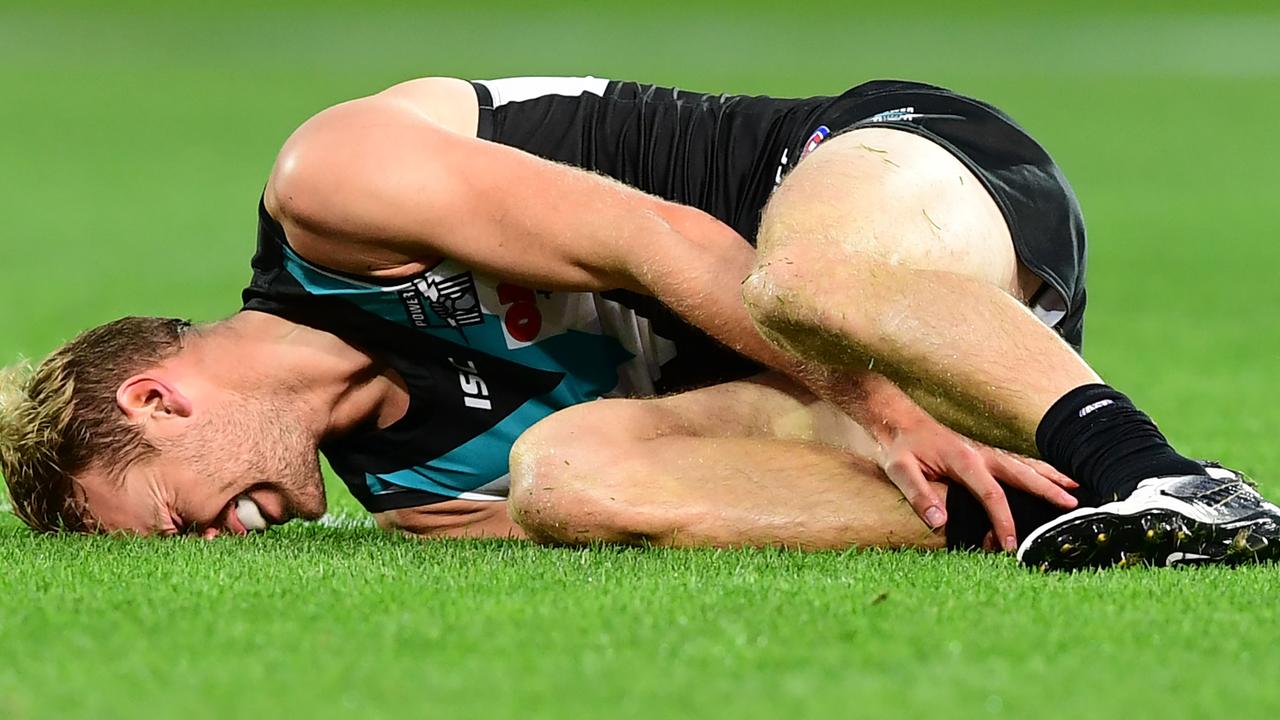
(519,89)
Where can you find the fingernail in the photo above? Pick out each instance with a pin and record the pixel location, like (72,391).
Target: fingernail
(1010,543)
(934,517)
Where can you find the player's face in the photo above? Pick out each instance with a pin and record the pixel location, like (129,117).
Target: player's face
(194,482)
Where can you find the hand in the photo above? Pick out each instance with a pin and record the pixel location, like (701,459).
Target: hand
(929,451)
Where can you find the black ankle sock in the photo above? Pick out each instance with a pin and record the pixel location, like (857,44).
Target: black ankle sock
(1098,438)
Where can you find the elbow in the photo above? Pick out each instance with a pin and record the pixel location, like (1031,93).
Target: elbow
(331,160)
(358,168)
(299,190)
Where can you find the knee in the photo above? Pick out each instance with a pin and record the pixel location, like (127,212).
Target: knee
(769,288)
(540,482)
(562,489)
(773,294)
(793,305)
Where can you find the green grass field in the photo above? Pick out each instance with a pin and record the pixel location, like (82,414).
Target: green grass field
(134,142)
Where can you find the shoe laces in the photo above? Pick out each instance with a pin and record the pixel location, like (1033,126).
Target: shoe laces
(1223,493)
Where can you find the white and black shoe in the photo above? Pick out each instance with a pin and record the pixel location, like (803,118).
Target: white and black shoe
(1187,519)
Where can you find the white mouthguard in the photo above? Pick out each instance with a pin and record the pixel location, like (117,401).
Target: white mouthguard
(250,515)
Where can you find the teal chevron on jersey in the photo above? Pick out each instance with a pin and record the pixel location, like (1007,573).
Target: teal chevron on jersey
(477,463)
(587,361)
(590,358)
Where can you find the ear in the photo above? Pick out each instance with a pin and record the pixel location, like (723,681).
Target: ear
(143,398)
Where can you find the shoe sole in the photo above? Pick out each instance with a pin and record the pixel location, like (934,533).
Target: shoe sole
(1152,537)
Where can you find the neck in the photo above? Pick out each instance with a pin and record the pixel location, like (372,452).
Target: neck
(334,386)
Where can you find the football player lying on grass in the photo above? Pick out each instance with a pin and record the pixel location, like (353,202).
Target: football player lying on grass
(802,312)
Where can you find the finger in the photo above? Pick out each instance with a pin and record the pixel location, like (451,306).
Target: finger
(910,480)
(1049,471)
(971,471)
(1015,473)
(989,542)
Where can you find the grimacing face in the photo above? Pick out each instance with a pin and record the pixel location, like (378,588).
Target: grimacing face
(227,453)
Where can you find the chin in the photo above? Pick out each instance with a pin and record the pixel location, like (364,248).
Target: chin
(312,513)
(311,503)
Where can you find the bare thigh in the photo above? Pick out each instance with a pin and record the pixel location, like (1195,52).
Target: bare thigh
(756,462)
(897,198)
(767,406)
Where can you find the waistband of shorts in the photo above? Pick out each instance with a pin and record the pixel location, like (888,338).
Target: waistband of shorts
(484,130)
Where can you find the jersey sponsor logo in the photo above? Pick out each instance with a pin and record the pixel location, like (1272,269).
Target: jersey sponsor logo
(453,302)
(522,319)
(475,391)
(529,317)
(815,140)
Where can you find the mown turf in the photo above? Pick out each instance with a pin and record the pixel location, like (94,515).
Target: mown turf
(315,622)
(134,140)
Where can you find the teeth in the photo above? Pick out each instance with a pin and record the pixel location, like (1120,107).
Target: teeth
(249,513)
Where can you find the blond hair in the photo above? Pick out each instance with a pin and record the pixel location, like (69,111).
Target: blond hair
(60,417)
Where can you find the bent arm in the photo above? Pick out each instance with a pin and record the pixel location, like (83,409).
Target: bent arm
(378,187)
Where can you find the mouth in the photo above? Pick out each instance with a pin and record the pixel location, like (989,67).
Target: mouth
(245,514)
(252,511)
(249,515)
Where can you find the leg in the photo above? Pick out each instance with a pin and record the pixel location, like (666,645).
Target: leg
(754,463)
(882,250)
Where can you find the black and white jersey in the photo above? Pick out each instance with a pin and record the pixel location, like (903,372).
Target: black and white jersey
(484,359)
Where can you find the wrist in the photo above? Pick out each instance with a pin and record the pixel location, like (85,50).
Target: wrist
(889,421)
(877,404)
